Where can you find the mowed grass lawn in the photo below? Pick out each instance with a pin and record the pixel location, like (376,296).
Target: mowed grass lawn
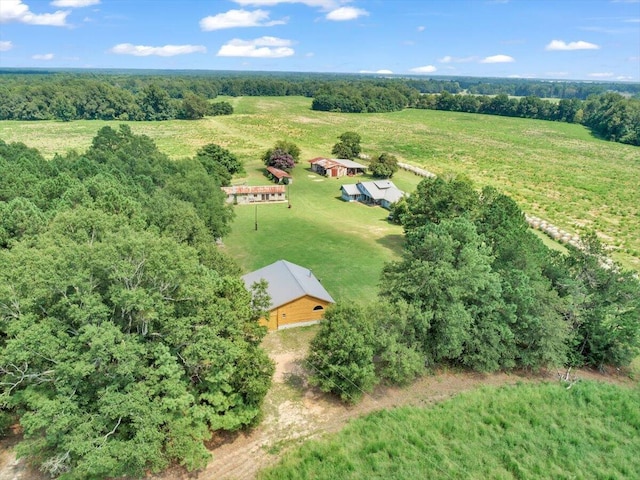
(557,171)
(344,244)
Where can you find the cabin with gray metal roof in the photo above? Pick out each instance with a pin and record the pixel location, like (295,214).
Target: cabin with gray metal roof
(297,296)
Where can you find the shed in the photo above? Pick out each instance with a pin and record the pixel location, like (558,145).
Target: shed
(336,167)
(297,296)
(280,176)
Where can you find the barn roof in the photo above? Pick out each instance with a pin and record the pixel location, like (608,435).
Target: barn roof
(332,162)
(287,282)
(349,163)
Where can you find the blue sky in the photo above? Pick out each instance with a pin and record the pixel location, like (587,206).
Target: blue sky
(559,39)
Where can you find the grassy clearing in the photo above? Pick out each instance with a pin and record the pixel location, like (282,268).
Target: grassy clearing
(344,244)
(549,242)
(523,431)
(556,171)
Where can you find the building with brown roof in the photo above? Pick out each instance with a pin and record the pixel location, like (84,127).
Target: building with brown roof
(243,194)
(336,167)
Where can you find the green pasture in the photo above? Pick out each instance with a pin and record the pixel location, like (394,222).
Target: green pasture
(515,432)
(344,244)
(557,171)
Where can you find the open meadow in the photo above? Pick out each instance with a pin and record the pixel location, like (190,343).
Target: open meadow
(556,171)
(522,431)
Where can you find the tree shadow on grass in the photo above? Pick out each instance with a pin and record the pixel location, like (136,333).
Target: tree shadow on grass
(394,242)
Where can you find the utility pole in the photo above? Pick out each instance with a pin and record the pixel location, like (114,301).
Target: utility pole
(256,218)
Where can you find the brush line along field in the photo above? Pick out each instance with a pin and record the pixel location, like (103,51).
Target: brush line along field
(556,171)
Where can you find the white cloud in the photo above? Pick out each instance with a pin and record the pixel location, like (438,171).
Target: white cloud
(634,59)
(632,20)
(346,13)
(16,11)
(450,59)
(424,69)
(498,59)
(6,45)
(263,47)
(379,72)
(601,75)
(560,45)
(325,4)
(165,51)
(624,78)
(238,18)
(74,3)
(421,28)
(44,56)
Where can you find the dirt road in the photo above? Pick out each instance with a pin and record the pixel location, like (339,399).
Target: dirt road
(294,412)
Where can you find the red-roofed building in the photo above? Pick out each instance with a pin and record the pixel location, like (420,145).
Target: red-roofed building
(336,167)
(243,194)
(279,176)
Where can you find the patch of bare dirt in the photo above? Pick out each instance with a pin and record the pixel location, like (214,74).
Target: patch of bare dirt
(296,412)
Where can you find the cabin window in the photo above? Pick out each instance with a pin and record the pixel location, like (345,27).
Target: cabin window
(318,307)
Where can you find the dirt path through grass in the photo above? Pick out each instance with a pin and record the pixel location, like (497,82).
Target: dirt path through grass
(294,412)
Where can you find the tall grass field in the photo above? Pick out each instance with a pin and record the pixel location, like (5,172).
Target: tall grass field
(557,171)
(518,432)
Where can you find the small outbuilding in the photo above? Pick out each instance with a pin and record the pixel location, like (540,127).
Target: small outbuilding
(279,176)
(297,296)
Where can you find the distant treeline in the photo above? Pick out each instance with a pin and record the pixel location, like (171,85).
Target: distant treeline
(68,96)
(609,115)
(40,97)
(125,96)
(150,95)
(544,88)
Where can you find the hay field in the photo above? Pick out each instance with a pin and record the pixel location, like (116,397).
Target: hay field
(557,171)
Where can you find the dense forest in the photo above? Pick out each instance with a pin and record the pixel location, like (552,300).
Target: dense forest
(475,288)
(126,337)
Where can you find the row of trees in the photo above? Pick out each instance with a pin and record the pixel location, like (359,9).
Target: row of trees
(126,337)
(476,288)
(98,100)
(609,115)
(364,98)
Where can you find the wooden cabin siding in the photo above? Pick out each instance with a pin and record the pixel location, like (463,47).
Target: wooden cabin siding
(300,310)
